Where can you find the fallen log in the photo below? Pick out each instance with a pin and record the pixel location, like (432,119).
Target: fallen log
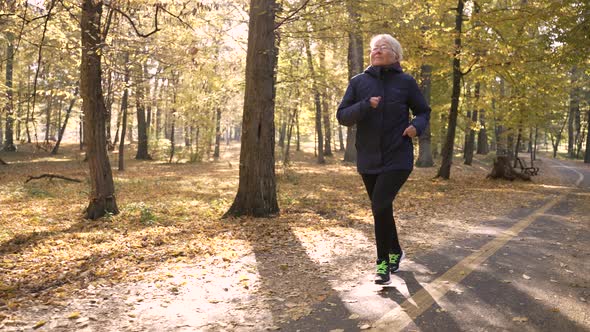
(2,162)
(52,176)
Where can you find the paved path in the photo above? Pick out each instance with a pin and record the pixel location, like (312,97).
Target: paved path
(529,271)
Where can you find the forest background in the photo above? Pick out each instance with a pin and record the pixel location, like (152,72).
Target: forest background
(167,83)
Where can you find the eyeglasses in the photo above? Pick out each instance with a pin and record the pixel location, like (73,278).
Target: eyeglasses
(381,48)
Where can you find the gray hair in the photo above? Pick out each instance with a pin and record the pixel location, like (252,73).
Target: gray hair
(391,42)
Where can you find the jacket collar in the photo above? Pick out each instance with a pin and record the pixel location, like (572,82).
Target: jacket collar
(378,71)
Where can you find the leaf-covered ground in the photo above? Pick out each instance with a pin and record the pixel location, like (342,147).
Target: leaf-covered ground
(168,261)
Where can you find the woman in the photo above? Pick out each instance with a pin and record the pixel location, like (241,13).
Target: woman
(377,101)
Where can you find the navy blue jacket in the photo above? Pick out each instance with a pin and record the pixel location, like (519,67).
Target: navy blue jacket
(379,141)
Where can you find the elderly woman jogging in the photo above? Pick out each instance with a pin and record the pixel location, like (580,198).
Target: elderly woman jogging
(378,101)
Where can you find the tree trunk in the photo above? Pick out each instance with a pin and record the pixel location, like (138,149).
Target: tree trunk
(187,135)
(172,117)
(470,139)
(447,151)
(109,106)
(217,133)
(325,104)
(60,135)
(48,117)
(28,117)
(503,170)
(574,112)
(340,138)
(517,146)
(291,124)
(81,131)
(123,112)
(355,66)
(282,132)
(587,153)
(142,136)
(172,136)
(118,125)
(9,108)
(318,106)
(257,184)
(102,199)
(482,135)
(298,146)
(425,140)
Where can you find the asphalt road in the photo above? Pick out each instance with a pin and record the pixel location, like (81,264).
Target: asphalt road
(528,271)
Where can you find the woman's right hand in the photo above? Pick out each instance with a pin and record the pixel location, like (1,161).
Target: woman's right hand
(374,101)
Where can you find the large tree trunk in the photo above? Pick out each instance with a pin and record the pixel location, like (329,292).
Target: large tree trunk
(318,106)
(447,151)
(142,136)
(60,135)
(425,140)
(9,108)
(355,66)
(257,194)
(102,199)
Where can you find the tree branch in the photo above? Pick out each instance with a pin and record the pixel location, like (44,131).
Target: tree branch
(52,176)
(105,31)
(278,25)
(40,56)
(156,29)
(178,18)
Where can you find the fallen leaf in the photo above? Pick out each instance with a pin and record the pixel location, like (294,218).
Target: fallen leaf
(520,319)
(74,315)
(39,324)
(354,316)
(526,277)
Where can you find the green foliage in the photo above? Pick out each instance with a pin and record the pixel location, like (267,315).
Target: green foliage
(146,215)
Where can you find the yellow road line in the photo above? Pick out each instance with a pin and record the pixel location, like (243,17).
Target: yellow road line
(400,317)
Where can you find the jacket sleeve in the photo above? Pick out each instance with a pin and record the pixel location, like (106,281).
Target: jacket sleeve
(352,110)
(419,108)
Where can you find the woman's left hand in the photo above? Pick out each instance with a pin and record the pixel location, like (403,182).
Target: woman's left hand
(410,132)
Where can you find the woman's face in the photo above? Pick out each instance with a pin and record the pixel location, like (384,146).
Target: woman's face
(382,54)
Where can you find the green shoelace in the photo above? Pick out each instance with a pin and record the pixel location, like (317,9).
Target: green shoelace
(394,258)
(382,267)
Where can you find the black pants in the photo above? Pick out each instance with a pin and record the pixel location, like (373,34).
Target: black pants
(382,189)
